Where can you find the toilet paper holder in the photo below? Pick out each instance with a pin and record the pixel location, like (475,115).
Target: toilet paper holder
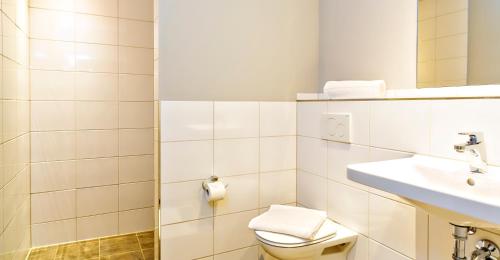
(210,180)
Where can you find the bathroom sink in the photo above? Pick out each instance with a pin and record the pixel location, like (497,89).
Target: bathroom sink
(442,187)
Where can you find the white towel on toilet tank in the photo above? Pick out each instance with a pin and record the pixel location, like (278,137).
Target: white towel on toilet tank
(355,89)
(294,221)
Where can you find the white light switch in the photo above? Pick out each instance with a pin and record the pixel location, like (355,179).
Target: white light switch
(337,127)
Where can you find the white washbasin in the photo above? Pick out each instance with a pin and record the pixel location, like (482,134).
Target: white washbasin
(442,187)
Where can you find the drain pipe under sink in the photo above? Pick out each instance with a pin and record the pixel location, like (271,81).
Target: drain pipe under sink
(460,234)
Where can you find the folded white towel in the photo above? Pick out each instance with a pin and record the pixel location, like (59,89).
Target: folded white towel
(355,89)
(294,221)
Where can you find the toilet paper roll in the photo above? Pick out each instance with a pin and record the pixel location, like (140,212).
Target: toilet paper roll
(215,191)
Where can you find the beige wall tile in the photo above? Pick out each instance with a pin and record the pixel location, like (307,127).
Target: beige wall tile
(96,115)
(136,115)
(136,168)
(136,220)
(427,29)
(77,67)
(426,9)
(53,176)
(136,9)
(136,60)
(14,41)
(136,141)
(96,58)
(10,80)
(10,119)
(96,29)
(66,5)
(136,195)
(54,232)
(15,194)
(96,200)
(96,172)
(450,6)
(450,24)
(51,206)
(426,50)
(97,226)
(426,72)
(96,86)
(97,7)
(51,146)
(52,55)
(51,25)
(96,143)
(1,213)
(135,87)
(52,115)
(135,33)
(451,69)
(15,156)
(52,85)
(452,46)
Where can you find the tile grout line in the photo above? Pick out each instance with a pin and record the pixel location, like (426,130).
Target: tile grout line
(140,245)
(214,211)
(118,100)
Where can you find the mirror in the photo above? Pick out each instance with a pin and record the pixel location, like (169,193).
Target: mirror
(458,43)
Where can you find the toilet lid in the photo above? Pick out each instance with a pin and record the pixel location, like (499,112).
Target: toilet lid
(327,231)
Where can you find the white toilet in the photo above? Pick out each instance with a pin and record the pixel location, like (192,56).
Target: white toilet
(332,242)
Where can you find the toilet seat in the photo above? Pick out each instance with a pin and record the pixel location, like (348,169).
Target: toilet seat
(327,231)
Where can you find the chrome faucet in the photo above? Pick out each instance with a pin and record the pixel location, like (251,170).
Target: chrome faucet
(475,147)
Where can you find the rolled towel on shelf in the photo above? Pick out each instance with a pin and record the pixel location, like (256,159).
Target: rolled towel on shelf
(355,89)
(288,220)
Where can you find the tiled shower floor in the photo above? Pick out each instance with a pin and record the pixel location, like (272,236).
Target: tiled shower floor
(125,247)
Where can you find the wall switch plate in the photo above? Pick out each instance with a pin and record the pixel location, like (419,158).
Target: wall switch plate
(337,127)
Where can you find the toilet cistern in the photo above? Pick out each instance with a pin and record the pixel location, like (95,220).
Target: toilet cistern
(476,149)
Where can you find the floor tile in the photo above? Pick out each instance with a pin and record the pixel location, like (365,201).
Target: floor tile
(146,239)
(43,253)
(137,255)
(68,252)
(118,245)
(89,249)
(149,254)
(125,247)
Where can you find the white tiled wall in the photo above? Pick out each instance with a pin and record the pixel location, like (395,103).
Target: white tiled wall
(14,131)
(91,118)
(389,227)
(251,146)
